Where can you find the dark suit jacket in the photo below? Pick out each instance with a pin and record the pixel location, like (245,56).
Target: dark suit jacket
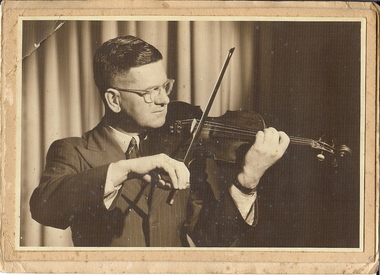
(71,193)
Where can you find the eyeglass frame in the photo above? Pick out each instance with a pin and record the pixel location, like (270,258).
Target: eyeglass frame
(148,91)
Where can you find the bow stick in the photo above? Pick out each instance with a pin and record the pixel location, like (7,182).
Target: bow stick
(202,121)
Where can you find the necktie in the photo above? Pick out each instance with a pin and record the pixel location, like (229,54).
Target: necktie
(133,150)
(135,201)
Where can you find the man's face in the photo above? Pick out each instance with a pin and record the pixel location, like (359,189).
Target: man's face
(142,115)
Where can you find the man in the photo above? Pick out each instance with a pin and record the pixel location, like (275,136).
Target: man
(110,199)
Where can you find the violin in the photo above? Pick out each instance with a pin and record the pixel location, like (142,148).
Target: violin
(226,138)
(222,137)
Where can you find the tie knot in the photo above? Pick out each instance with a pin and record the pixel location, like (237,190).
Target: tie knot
(133,142)
(133,151)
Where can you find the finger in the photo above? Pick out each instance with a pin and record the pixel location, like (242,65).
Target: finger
(156,176)
(168,165)
(164,184)
(284,139)
(271,135)
(147,178)
(270,129)
(183,176)
(169,168)
(177,174)
(259,137)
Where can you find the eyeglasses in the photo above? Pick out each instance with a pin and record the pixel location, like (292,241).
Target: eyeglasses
(151,94)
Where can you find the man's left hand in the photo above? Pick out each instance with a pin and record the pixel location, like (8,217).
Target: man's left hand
(269,147)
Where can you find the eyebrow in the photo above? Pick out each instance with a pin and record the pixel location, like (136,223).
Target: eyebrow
(149,88)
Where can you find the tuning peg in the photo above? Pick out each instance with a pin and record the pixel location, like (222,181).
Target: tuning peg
(344,150)
(321,157)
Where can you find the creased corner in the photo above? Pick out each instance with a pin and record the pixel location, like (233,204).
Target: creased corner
(43,34)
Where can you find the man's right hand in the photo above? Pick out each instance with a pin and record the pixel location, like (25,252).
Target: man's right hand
(161,170)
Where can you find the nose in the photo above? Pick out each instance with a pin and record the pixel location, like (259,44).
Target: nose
(162,98)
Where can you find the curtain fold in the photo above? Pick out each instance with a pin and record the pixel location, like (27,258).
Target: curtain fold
(184,53)
(90,103)
(60,98)
(56,98)
(32,150)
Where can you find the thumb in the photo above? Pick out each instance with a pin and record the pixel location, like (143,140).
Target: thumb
(147,178)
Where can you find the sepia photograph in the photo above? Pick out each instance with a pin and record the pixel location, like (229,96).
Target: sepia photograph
(190,137)
(277,162)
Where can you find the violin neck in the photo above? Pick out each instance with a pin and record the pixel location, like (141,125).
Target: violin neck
(238,133)
(249,134)
(301,141)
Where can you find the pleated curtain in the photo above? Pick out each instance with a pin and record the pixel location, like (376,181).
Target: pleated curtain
(60,99)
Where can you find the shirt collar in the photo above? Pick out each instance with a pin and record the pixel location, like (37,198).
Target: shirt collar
(123,139)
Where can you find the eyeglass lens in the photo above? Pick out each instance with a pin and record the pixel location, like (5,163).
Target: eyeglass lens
(154,93)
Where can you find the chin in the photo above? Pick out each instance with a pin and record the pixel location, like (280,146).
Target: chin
(156,124)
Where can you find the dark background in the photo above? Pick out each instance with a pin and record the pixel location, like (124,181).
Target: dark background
(307,83)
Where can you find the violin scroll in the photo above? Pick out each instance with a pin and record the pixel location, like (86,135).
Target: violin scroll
(343,151)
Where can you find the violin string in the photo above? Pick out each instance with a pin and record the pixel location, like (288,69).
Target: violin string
(227,129)
(251,133)
(221,128)
(293,140)
(215,125)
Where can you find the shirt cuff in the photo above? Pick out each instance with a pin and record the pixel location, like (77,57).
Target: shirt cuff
(244,203)
(111,187)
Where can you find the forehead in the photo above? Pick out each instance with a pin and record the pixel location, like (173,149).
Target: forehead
(145,76)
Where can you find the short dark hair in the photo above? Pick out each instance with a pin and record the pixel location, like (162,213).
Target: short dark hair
(120,54)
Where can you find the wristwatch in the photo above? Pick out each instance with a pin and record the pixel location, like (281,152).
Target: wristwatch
(244,190)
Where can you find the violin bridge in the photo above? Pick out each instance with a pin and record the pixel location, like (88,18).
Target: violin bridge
(193,124)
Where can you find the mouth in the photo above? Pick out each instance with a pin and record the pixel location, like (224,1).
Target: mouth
(159,111)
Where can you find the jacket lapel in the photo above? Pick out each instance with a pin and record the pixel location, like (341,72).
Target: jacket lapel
(101,146)
(102,149)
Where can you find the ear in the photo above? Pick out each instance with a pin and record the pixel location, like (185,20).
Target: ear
(112,98)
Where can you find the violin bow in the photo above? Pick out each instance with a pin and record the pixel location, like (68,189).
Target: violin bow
(202,121)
